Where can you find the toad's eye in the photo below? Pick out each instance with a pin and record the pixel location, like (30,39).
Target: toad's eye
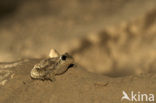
(63,57)
(38,69)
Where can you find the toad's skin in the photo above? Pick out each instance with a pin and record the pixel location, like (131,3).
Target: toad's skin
(48,68)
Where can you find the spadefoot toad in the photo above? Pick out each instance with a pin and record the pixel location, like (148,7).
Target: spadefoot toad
(48,68)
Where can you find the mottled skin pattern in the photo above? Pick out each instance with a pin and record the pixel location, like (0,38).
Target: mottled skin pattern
(46,69)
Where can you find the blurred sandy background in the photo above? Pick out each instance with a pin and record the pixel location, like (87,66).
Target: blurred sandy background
(112,37)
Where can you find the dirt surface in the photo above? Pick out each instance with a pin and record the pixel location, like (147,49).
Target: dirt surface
(35,27)
(113,43)
(75,86)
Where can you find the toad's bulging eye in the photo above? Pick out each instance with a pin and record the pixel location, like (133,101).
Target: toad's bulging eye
(63,57)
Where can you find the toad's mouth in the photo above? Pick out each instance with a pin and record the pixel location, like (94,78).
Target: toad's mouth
(71,65)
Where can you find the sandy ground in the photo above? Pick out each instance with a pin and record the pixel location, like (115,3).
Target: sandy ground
(75,86)
(113,43)
(35,27)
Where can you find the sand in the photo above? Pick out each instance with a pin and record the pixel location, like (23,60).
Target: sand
(113,43)
(75,86)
